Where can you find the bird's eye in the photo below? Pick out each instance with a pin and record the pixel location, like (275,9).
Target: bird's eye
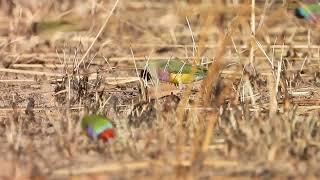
(144,74)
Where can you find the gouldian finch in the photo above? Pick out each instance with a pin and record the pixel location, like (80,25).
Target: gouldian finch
(174,71)
(309,12)
(98,127)
(48,28)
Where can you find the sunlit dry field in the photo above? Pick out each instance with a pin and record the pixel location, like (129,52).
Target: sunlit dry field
(256,115)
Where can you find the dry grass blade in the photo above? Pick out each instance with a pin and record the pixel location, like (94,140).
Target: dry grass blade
(134,166)
(255,115)
(214,71)
(99,33)
(29,72)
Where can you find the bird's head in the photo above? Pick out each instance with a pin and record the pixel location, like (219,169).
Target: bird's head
(107,134)
(162,75)
(301,13)
(145,74)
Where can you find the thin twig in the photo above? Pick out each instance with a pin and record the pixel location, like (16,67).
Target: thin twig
(99,33)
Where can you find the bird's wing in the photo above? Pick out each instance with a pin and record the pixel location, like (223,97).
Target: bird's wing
(314,8)
(100,124)
(97,123)
(178,66)
(175,66)
(99,129)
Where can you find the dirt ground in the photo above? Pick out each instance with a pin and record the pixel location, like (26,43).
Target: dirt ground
(256,115)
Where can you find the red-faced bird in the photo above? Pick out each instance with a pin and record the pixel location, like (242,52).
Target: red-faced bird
(309,12)
(98,127)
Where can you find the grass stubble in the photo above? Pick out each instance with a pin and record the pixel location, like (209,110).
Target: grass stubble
(255,115)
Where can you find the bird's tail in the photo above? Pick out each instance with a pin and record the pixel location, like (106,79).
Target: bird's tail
(201,74)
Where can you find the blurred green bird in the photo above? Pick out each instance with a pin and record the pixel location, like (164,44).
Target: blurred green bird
(98,127)
(309,12)
(48,28)
(175,71)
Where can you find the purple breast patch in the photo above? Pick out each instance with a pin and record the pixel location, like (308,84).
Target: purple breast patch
(163,75)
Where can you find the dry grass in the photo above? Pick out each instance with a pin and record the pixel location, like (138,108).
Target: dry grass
(255,115)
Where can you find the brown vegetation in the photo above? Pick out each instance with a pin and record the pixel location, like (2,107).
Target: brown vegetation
(255,115)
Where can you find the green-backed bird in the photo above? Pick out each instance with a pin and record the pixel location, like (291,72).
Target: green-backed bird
(98,127)
(174,71)
(310,12)
(48,28)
